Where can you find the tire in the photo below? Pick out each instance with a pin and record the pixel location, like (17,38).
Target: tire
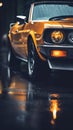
(37,69)
(7,56)
(5,61)
(33,61)
(5,53)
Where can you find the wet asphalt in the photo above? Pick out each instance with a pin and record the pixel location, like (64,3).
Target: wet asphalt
(44,104)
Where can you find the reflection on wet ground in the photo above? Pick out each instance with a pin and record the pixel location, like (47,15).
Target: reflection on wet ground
(39,105)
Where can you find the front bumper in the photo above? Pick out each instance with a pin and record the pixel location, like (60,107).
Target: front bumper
(59,63)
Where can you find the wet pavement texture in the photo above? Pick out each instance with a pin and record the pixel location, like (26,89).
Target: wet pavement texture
(45,104)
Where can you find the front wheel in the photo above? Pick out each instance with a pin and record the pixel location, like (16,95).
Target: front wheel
(7,56)
(5,51)
(33,60)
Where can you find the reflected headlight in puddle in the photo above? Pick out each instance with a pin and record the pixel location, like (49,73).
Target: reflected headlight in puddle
(54,106)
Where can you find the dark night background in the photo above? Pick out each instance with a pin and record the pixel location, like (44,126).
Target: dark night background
(9,10)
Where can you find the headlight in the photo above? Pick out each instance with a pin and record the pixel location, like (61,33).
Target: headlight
(57,36)
(70,37)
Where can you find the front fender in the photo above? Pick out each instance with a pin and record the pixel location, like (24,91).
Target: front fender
(32,35)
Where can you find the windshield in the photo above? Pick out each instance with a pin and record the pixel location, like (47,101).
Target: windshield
(47,11)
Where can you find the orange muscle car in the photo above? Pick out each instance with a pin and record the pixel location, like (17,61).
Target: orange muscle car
(45,36)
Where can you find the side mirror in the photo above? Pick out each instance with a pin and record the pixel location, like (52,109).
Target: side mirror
(21,18)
